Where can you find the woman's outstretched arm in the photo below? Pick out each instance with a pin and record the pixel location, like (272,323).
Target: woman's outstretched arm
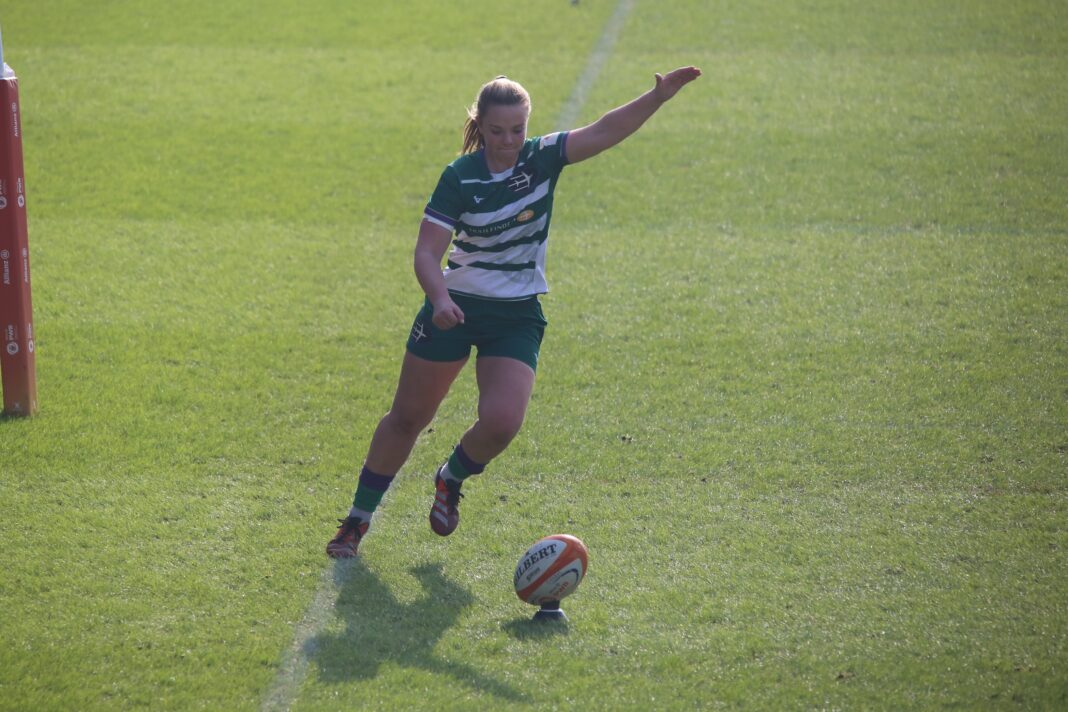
(621,122)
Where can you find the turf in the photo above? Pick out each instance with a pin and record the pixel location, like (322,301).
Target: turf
(803,393)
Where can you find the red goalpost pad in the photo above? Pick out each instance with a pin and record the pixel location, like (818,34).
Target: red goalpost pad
(17,362)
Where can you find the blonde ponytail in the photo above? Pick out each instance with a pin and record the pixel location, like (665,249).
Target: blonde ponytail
(472,136)
(501,91)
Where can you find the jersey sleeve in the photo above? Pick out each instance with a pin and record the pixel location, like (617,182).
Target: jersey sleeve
(551,150)
(446,202)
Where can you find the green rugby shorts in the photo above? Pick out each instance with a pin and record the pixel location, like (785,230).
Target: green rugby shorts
(512,329)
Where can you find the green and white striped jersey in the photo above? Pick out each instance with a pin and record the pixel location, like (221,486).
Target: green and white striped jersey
(500,221)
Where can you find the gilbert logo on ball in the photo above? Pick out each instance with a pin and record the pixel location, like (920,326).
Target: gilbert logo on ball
(551,569)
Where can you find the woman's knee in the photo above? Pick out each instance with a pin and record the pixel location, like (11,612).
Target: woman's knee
(501,427)
(408,422)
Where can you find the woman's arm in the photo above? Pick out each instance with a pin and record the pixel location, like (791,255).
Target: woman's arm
(429,249)
(621,122)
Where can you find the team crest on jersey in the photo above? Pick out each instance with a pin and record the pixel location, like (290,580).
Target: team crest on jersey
(523,180)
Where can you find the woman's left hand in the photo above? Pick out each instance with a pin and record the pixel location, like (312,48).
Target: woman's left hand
(668,85)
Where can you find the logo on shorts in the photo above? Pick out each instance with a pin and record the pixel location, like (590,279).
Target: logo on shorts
(419,333)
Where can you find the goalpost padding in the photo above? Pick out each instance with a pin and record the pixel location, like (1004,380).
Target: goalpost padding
(17,361)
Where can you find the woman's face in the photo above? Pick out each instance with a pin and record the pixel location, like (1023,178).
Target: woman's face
(504,129)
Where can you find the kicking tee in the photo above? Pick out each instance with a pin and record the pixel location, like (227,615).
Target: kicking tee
(500,220)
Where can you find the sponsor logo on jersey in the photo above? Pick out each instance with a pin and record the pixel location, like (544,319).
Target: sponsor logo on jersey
(525,215)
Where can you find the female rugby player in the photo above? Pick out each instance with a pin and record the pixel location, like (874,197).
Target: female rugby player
(493,205)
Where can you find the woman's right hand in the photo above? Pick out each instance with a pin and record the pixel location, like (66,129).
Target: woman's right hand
(447,314)
(429,249)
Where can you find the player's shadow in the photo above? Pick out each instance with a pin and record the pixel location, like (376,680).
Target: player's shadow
(380,629)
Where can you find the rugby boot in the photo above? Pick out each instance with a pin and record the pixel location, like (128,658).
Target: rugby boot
(347,539)
(444,516)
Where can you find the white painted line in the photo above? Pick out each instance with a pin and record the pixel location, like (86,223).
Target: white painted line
(294,667)
(569,113)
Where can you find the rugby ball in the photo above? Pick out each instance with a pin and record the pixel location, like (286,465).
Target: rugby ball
(551,569)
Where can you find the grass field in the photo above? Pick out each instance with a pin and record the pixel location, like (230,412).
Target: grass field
(804,393)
